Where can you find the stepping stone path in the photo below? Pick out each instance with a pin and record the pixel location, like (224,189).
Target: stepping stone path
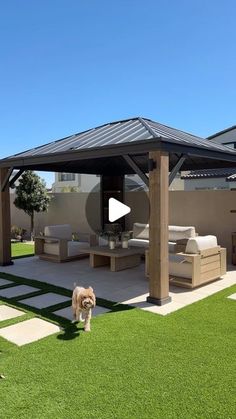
(67,312)
(28,331)
(45,300)
(232,297)
(7,313)
(17,291)
(5,282)
(34,329)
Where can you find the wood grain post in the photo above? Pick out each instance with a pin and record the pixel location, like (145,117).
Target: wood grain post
(158,228)
(5,221)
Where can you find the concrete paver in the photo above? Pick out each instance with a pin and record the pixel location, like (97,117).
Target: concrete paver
(232,297)
(28,331)
(17,291)
(45,300)
(7,312)
(5,282)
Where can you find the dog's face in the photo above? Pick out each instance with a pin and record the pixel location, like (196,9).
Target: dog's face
(87,298)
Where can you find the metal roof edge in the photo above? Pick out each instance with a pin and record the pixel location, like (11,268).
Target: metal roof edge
(221,132)
(135,148)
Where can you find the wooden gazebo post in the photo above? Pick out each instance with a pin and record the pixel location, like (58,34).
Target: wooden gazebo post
(158,228)
(5,219)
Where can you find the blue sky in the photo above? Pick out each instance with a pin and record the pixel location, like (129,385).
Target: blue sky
(70,65)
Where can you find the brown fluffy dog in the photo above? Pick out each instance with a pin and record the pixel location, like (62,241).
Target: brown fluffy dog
(83,300)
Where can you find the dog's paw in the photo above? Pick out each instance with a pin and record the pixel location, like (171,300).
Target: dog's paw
(87,329)
(73,321)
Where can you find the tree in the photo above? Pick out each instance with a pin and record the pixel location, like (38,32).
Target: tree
(31,196)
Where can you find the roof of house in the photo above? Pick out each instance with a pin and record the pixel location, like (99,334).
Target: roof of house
(100,150)
(231,178)
(221,132)
(224,172)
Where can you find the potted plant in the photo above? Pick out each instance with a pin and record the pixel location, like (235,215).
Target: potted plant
(112,240)
(125,236)
(108,237)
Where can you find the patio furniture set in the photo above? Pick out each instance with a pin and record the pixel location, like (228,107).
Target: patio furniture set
(193,260)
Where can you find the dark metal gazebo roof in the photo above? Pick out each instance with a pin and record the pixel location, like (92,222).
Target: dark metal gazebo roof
(100,150)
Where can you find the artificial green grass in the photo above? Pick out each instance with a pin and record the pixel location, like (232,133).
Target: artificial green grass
(133,364)
(19,249)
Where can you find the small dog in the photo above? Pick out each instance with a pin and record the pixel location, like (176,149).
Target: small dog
(83,300)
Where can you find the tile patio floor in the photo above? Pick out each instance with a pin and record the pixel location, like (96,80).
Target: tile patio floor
(129,286)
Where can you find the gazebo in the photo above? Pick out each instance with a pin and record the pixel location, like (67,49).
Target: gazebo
(154,151)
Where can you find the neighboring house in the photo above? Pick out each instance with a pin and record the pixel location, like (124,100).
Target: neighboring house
(74,182)
(217,178)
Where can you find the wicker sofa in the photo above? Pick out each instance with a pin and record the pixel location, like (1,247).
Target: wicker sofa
(56,244)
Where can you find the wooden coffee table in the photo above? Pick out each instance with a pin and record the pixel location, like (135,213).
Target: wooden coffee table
(118,258)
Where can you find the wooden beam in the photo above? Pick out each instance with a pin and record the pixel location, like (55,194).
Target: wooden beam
(17,175)
(158,229)
(137,169)
(176,168)
(5,181)
(5,220)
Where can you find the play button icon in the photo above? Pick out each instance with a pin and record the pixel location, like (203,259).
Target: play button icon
(116,209)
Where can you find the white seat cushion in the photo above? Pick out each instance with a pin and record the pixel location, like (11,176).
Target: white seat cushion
(52,248)
(178,266)
(74,248)
(138,243)
(196,244)
(141,231)
(62,231)
(181,232)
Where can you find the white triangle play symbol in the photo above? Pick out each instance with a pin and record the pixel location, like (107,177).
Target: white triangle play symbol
(117,209)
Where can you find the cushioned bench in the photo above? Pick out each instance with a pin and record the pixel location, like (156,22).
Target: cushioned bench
(57,245)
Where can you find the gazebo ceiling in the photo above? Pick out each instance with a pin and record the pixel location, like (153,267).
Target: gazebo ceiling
(100,150)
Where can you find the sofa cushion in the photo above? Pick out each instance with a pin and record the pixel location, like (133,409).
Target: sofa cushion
(141,231)
(138,243)
(74,248)
(62,231)
(196,244)
(178,266)
(52,248)
(181,232)
(172,247)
